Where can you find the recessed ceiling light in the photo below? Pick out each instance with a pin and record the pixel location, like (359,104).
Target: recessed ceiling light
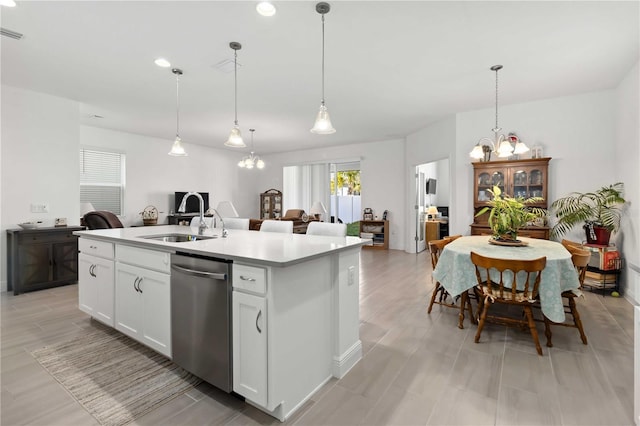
(265,8)
(161,62)
(8,3)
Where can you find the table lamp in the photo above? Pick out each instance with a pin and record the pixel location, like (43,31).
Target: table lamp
(226,209)
(432,211)
(318,209)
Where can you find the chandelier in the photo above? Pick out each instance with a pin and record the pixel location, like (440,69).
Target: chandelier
(252,160)
(500,144)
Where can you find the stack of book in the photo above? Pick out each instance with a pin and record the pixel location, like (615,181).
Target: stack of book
(367,235)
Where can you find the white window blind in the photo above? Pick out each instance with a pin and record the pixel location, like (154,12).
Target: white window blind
(102,179)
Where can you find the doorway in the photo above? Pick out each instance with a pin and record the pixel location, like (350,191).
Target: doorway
(431,190)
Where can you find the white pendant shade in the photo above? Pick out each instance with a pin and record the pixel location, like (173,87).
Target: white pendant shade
(260,164)
(235,138)
(505,149)
(477,152)
(323,126)
(520,148)
(177,150)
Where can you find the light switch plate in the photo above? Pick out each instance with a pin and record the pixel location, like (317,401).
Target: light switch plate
(40,208)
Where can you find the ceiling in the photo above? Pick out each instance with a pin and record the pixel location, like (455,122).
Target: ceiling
(392,67)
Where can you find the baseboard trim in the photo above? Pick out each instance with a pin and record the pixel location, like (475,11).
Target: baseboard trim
(346,361)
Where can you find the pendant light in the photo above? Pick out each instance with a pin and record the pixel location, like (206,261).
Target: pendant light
(235,137)
(500,145)
(323,126)
(251,160)
(177,149)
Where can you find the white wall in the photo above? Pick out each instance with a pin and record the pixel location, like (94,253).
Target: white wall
(381,176)
(431,144)
(153,176)
(627,157)
(40,161)
(576,131)
(41,137)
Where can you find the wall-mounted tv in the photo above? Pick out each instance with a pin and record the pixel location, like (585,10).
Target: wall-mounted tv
(431,186)
(193,203)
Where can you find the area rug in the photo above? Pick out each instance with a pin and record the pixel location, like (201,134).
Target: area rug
(115,378)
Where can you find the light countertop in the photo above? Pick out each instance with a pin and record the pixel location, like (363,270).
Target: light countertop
(268,248)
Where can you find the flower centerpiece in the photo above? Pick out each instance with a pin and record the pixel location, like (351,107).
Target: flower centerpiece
(508,214)
(149,215)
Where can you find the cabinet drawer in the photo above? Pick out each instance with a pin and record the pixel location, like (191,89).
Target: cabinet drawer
(96,248)
(250,278)
(150,259)
(45,237)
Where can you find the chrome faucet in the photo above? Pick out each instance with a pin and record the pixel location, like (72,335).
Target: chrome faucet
(224,230)
(202,226)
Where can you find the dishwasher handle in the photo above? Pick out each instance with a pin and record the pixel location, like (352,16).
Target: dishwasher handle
(213,275)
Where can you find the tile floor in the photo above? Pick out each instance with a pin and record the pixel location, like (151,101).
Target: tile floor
(417,369)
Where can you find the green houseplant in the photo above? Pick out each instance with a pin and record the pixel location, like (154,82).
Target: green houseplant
(600,211)
(508,214)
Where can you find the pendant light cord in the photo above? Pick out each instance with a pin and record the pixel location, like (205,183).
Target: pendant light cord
(322,59)
(235,77)
(497,129)
(177,105)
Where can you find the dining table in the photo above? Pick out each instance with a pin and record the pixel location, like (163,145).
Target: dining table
(457,274)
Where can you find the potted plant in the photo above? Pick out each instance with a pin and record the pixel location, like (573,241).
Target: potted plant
(508,214)
(600,211)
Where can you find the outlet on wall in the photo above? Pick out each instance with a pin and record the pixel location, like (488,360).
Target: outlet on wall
(40,208)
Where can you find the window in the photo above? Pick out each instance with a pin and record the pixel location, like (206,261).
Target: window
(102,179)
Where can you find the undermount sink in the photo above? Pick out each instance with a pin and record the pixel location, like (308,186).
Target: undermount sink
(179,238)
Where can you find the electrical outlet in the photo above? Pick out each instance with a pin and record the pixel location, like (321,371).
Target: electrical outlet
(351,275)
(40,208)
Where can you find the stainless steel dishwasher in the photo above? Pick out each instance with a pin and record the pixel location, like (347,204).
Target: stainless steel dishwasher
(201,317)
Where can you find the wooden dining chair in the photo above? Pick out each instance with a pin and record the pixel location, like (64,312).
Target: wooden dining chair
(571,245)
(526,273)
(580,259)
(440,295)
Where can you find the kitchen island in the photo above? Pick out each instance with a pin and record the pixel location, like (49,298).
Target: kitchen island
(294,302)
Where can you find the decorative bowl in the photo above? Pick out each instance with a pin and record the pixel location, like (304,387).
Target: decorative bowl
(29,225)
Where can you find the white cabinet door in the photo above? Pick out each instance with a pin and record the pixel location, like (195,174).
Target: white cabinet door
(143,309)
(87,292)
(128,301)
(250,347)
(156,310)
(96,288)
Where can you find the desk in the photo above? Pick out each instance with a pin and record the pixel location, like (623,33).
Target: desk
(432,230)
(457,274)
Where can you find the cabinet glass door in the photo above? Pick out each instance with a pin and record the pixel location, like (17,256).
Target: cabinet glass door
(497,179)
(519,184)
